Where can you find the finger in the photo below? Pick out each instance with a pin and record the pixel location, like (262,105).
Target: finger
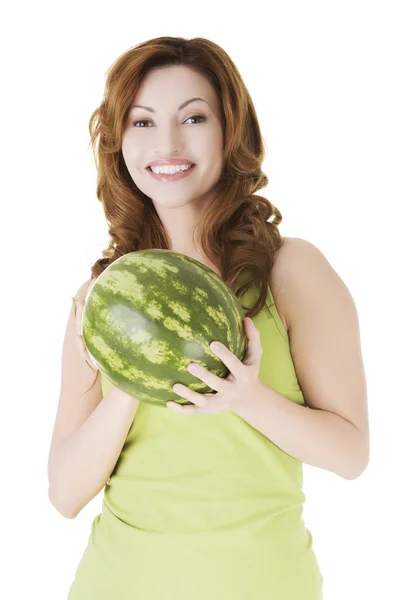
(84,353)
(213,381)
(186,410)
(192,409)
(191,395)
(229,359)
(81,346)
(78,317)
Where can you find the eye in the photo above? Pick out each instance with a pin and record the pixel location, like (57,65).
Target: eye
(194,117)
(198,117)
(136,122)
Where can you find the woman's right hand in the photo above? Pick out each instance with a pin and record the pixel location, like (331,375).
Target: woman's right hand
(79,306)
(79,339)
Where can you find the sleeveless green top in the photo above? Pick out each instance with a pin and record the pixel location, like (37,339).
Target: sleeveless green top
(205,506)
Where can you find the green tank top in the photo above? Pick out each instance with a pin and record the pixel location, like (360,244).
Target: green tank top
(205,506)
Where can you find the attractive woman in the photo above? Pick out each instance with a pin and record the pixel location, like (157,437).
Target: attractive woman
(205,501)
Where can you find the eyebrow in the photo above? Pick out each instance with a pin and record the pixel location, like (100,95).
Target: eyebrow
(179,107)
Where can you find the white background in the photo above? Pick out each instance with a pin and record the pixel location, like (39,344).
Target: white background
(324,80)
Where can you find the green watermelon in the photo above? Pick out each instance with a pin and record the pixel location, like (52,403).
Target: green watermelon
(150,314)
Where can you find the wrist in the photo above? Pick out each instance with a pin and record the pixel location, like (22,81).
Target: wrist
(256,392)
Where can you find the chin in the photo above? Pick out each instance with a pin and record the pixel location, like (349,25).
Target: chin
(171,202)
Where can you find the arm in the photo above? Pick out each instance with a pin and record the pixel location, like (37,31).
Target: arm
(316,437)
(332,431)
(82,464)
(89,430)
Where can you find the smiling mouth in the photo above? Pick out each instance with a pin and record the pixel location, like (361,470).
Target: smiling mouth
(175,173)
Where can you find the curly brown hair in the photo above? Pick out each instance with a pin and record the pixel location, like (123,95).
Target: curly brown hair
(235,230)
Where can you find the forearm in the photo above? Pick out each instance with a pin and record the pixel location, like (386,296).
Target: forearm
(84,462)
(315,437)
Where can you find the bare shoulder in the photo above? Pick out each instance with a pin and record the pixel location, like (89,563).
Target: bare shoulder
(292,262)
(282,255)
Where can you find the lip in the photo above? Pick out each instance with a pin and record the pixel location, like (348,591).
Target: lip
(170,161)
(167,177)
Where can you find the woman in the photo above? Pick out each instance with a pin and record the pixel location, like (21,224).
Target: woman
(205,500)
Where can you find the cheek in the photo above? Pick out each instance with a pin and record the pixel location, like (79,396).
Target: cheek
(210,149)
(127,153)
(133,159)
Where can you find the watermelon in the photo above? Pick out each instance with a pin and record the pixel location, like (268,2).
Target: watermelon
(151,313)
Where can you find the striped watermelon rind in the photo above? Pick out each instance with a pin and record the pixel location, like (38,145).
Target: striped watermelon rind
(150,314)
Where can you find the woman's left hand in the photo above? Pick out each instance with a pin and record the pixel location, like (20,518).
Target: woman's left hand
(233,391)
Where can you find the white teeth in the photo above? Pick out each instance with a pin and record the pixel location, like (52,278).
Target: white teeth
(170,169)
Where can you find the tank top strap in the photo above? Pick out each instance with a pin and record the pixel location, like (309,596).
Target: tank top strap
(276,316)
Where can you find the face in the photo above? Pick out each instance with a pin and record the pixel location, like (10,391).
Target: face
(193,133)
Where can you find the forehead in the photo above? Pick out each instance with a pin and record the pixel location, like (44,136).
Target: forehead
(172,86)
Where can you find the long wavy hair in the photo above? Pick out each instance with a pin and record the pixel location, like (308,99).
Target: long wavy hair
(238,230)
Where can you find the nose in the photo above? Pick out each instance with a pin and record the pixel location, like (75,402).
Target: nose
(169,141)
